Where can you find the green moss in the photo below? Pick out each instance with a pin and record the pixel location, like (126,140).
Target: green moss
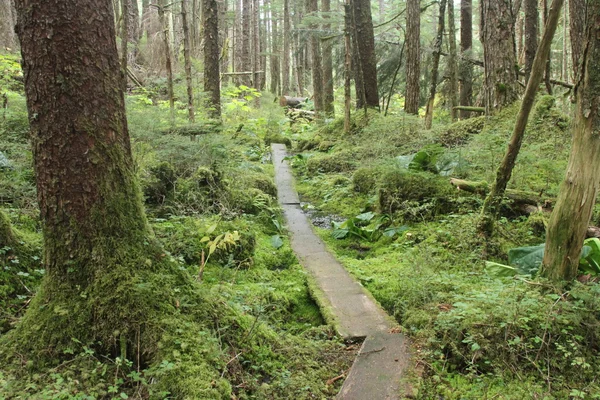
(364,180)
(277,138)
(342,161)
(459,132)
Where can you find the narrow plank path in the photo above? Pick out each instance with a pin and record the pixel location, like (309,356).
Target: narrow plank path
(383,360)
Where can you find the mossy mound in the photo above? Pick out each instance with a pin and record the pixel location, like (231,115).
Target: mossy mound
(422,194)
(342,161)
(364,180)
(459,132)
(272,137)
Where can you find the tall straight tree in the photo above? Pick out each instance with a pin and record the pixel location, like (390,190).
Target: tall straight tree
(413,56)
(497,34)
(212,76)
(366,51)
(246,60)
(494,199)
(576,31)
(256,58)
(531,34)
(577,195)
(327,48)
(164,27)
(452,63)
(312,7)
(275,61)
(98,245)
(187,58)
(466,45)
(7,30)
(285,62)
(437,49)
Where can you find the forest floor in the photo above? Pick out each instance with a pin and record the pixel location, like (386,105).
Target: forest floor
(379,197)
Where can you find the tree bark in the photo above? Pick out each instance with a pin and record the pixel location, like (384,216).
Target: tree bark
(347,64)
(187,59)
(275,60)
(492,202)
(531,34)
(357,72)
(285,68)
(327,48)
(501,86)
(466,44)
(164,26)
(246,60)
(7,30)
(212,76)
(437,48)
(366,51)
(452,64)
(97,242)
(577,27)
(312,7)
(569,221)
(413,56)
(124,40)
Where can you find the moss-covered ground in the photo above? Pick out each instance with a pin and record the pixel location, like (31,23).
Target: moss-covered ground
(399,227)
(243,324)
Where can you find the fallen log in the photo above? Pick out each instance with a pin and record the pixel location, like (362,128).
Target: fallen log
(519,197)
(523,201)
(194,129)
(471,109)
(293,102)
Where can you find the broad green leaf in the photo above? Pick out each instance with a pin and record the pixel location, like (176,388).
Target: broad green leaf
(528,259)
(211,229)
(276,241)
(340,233)
(499,270)
(365,216)
(420,162)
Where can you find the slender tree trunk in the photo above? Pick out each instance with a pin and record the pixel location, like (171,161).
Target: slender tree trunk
(212,75)
(564,71)
(347,64)
(246,31)
(494,199)
(164,26)
(452,64)
(312,7)
(223,35)
(577,27)
(256,58)
(124,40)
(285,68)
(366,51)
(577,195)
(327,46)
(187,59)
(97,242)
(520,35)
(531,34)
(437,49)
(133,30)
(466,45)
(359,84)
(501,86)
(275,61)
(299,51)
(413,56)
(7,29)
(548,70)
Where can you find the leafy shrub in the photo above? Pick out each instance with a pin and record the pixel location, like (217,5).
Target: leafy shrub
(364,180)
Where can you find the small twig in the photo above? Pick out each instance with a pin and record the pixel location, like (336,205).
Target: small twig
(371,351)
(337,378)
(229,362)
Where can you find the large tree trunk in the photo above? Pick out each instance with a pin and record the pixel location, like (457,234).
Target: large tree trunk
(256,58)
(327,47)
(164,26)
(437,48)
(466,44)
(492,202)
(452,63)
(275,61)
(357,73)
(531,34)
(212,76)
(501,86)
(366,50)
(577,26)
(285,67)
(97,243)
(312,7)
(347,64)
(413,56)
(124,41)
(577,195)
(187,59)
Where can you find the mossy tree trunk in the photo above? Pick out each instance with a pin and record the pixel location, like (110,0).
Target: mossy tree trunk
(366,51)
(328,98)
(452,64)
(164,27)
(504,172)
(569,221)
(7,237)
(531,34)
(187,60)
(285,67)
(576,33)
(466,44)
(99,251)
(312,7)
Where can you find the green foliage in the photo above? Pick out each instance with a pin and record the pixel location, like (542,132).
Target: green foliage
(458,133)
(342,161)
